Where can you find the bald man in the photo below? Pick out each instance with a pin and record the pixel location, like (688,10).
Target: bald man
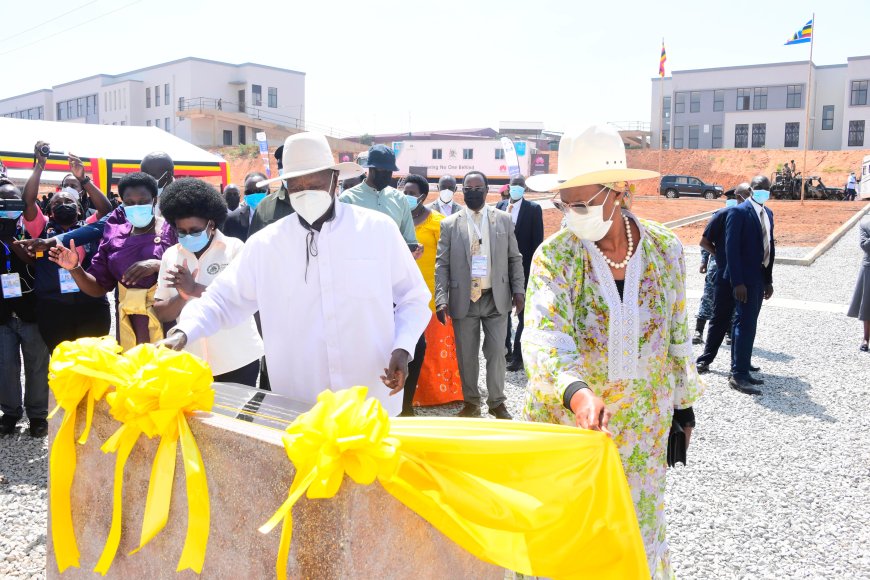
(445,204)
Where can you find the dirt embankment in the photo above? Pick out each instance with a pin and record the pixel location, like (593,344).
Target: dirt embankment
(728,167)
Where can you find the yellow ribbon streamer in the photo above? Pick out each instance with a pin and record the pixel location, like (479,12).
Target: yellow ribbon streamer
(543,500)
(165,386)
(84,369)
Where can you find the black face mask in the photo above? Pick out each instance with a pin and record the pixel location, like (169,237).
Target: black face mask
(381,179)
(474,199)
(65,215)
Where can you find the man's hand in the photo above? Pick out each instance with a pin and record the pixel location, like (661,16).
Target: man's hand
(77,168)
(140,270)
(394,377)
(590,411)
(703,268)
(180,278)
(176,340)
(418,252)
(519,302)
(768,291)
(66,258)
(441,314)
(740,293)
(37,246)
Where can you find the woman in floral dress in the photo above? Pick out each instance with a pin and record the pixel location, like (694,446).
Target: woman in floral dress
(607,343)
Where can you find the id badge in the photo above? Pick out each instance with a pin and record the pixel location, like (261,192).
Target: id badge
(67,284)
(479,266)
(11,284)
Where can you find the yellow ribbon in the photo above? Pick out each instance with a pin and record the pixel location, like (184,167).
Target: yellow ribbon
(540,499)
(165,386)
(137,301)
(78,370)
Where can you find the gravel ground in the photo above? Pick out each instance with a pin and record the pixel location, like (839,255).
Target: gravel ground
(777,486)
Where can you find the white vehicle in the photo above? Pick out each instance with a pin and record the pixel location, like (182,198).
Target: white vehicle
(864,183)
(435,159)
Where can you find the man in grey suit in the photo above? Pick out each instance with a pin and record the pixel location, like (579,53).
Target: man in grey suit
(445,204)
(479,274)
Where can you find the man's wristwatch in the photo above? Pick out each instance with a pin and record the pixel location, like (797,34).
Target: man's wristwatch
(85,181)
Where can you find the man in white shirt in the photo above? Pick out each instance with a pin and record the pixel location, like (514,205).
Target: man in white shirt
(445,204)
(851,188)
(341,301)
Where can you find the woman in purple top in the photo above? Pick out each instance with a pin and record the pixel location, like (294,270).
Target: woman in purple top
(128,258)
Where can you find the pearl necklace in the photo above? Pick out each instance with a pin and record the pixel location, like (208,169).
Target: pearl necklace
(628,254)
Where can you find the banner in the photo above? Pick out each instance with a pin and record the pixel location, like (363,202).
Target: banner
(264,152)
(540,163)
(510,157)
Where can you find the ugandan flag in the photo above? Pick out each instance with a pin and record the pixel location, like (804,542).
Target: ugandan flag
(662,61)
(803,35)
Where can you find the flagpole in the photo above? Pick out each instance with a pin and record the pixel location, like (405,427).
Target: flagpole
(809,100)
(661,112)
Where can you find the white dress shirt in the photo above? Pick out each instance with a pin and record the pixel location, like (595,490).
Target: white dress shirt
(339,328)
(485,281)
(445,209)
(230,348)
(515,209)
(764,218)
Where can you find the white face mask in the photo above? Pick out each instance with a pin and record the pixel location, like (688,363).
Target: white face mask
(311,204)
(446,196)
(590,225)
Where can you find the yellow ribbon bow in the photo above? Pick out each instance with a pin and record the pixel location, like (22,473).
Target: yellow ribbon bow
(165,386)
(84,368)
(343,433)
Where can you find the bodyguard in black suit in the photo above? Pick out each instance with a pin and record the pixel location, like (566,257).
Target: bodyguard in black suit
(529,229)
(239,220)
(750,252)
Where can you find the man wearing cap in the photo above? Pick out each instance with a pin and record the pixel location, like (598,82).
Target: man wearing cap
(334,313)
(377,194)
(445,204)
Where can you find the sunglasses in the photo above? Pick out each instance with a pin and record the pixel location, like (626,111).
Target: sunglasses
(580,207)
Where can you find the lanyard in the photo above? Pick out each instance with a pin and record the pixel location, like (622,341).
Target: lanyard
(483,218)
(8,253)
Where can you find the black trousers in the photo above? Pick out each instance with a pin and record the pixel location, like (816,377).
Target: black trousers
(413,375)
(515,346)
(720,324)
(246,375)
(61,321)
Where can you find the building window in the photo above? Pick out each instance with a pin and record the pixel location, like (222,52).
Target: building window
(717,136)
(759,132)
(678,137)
(743,99)
(166,93)
(759,100)
(166,124)
(741,136)
(792,134)
(695,102)
(92,105)
(856,133)
(666,139)
(794,96)
(70,109)
(60,112)
(694,133)
(157,95)
(859,93)
(273,97)
(719,100)
(157,123)
(666,108)
(81,107)
(148,123)
(468,153)
(228,137)
(499,153)
(257,95)
(436,154)
(828,118)
(147,97)
(679,103)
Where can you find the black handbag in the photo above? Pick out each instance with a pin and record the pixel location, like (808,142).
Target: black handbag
(676,445)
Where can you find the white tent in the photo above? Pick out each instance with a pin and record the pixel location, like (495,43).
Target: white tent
(106,149)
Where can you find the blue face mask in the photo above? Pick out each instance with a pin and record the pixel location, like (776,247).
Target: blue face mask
(194,242)
(139,215)
(10,215)
(517,192)
(761,196)
(413,202)
(254,199)
(730,203)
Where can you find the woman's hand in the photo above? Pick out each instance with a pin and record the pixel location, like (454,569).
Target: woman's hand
(66,258)
(140,270)
(180,278)
(77,168)
(590,411)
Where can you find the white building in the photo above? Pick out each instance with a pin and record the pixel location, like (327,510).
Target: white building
(763,106)
(202,101)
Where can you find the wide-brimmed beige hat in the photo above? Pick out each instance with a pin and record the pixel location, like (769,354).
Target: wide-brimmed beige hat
(309,152)
(588,157)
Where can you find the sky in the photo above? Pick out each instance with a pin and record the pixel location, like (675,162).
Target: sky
(380,66)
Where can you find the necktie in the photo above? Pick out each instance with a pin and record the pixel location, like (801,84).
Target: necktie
(765,237)
(475,249)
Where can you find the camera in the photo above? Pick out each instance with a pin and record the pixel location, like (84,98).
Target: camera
(45,150)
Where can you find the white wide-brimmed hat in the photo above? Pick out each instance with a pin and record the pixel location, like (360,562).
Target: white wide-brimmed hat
(588,157)
(309,152)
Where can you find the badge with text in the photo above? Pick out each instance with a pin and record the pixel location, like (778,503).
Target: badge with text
(479,266)
(11,285)
(67,284)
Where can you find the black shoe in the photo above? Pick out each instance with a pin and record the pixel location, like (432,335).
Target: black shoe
(754,381)
(865,348)
(516,365)
(469,410)
(743,386)
(38,428)
(508,357)
(500,412)
(698,338)
(703,368)
(7,424)
(754,369)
